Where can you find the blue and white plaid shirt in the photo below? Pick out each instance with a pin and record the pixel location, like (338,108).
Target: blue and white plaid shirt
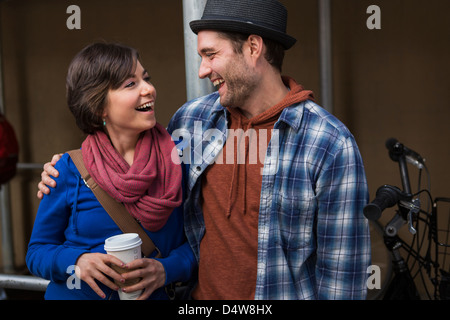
(313,240)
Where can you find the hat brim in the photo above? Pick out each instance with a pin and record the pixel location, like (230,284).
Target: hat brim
(243,27)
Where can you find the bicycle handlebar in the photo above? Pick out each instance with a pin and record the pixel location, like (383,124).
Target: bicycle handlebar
(387,196)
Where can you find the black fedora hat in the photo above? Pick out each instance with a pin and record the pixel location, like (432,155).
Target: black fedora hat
(266,18)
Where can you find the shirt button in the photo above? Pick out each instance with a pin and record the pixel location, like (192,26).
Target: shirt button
(199,168)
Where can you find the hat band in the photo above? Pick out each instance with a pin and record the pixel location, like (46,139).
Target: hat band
(241,20)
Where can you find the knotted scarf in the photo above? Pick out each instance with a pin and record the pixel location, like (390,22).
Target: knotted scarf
(150,188)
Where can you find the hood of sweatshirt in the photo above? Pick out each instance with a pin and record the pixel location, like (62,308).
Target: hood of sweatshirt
(296,94)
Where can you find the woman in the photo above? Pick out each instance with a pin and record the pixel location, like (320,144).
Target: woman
(129,155)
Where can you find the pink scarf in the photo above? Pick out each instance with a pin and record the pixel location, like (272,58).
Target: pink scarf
(151,188)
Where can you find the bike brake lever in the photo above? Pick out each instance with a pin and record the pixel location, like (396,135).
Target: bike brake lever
(414,208)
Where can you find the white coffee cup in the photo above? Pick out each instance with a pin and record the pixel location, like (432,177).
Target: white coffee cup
(126,247)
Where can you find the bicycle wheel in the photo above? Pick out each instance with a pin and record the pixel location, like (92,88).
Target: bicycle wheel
(381,257)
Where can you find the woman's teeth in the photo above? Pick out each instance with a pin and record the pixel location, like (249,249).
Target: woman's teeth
(146,107)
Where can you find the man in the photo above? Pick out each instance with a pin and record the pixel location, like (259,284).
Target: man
(288,223)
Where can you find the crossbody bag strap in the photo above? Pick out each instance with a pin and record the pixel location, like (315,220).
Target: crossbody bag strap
(115,209)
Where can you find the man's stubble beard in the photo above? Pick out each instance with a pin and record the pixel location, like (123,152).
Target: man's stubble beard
(241,82)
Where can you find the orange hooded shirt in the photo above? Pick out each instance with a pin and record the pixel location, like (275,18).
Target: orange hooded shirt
(231,190)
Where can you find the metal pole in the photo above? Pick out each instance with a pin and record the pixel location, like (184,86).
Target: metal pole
(32,283)
(7,242)
(326,75)
(195,87)
(5,206)
(30,166)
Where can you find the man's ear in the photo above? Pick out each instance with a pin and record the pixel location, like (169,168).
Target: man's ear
(255,44)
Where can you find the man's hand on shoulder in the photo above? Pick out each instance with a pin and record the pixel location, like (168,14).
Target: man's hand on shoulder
(46,180)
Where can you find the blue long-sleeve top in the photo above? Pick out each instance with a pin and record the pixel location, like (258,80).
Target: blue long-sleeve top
(70,222)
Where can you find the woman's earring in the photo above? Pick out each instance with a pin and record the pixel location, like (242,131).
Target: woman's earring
(104,122)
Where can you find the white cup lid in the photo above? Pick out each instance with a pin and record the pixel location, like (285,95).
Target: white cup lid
(122,242)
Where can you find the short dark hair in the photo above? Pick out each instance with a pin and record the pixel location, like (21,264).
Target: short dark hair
(274,54)
(95,70)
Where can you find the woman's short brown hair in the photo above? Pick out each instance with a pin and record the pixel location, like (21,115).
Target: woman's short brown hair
(95,70)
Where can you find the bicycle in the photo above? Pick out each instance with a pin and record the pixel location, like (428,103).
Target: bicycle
(422,256)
